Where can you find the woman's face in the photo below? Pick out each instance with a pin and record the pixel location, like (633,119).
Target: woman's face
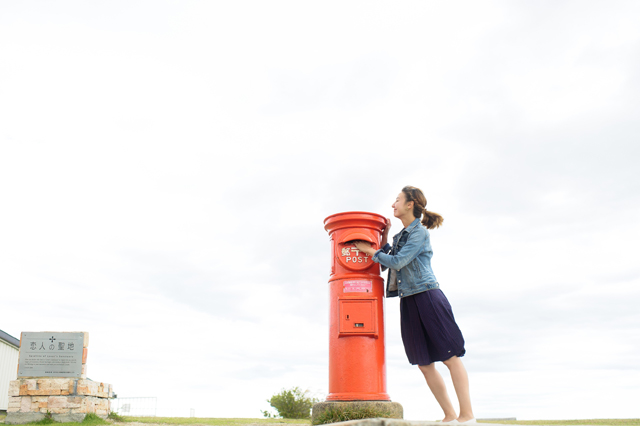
(400,206)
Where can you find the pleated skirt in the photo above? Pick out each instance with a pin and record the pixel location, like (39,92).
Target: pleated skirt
(429,330)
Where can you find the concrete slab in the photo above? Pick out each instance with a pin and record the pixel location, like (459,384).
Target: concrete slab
(378,421)
(399,422)
(22,418)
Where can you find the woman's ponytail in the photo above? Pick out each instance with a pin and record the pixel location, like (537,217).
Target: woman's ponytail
(431,220)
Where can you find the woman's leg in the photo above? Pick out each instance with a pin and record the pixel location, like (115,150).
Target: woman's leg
(461,384)
(439,390)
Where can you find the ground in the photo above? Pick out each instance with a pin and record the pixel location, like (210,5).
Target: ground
(196,421)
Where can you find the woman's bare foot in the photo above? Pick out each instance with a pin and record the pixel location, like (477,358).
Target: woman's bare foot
(466,418)
(449,419)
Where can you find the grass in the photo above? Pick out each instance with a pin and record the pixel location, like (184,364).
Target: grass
(337,417)
(115,417)
(344,413)
(604,422)
(212,421)
(90,421)
(97,421)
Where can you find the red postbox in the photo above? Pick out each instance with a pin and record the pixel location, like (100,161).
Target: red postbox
(357,366)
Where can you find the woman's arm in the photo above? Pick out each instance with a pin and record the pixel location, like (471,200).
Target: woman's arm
(365,247)
(407,253)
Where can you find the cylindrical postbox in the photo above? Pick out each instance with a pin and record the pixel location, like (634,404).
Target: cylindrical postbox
(357,368)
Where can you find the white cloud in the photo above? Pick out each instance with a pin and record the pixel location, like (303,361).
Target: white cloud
(166,170)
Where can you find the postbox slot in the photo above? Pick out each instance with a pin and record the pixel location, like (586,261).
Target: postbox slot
(358,316)
(358,236)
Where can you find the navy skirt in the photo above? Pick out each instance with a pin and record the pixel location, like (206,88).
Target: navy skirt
(429,330)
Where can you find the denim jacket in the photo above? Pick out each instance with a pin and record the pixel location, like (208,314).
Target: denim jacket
(409,262)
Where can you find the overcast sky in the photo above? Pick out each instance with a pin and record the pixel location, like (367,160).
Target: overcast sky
(165,169)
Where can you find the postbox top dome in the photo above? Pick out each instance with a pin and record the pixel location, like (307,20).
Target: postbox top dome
(355,220)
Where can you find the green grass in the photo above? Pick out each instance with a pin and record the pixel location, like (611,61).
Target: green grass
(244,421)
(89,421)
(345,413)
(178,421)
(264,421)
(212,421)
(611,422)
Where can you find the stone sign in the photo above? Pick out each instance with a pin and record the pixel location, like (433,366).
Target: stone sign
(52,380)
(51,354)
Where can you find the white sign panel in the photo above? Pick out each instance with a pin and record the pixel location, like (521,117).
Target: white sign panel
(51,354)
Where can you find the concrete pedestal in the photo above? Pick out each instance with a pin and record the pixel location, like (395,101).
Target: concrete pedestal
(391,409)
(396,422)
(66,399)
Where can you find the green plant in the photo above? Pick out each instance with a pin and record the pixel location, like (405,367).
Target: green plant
(268,414)
(344,413)
(293,403)
(48,419)
(94,419)
(116,417)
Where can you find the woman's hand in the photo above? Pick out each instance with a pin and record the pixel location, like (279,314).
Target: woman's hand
(385,233)
(364,247)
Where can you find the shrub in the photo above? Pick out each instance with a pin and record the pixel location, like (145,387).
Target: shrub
(292,403)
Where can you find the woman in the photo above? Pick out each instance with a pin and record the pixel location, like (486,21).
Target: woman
(429,330)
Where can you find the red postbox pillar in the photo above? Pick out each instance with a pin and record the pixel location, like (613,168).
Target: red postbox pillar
(357,368)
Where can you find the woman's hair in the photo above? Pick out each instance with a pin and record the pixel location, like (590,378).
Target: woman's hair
(431,219)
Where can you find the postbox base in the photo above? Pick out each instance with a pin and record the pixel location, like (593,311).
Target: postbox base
(352,410)
(356,396)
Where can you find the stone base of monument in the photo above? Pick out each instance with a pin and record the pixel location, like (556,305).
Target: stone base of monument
(390,409)
(67,399)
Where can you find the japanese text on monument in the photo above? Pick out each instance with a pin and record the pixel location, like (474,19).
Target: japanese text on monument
(51,354)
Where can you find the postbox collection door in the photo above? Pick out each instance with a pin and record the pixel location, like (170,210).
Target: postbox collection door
(358,317)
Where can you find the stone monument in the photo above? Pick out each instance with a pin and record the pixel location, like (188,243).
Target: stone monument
(52,380)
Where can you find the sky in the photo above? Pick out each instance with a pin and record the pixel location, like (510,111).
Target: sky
(166,167)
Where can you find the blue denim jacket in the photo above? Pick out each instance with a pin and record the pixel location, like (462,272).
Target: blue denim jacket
(409,261)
